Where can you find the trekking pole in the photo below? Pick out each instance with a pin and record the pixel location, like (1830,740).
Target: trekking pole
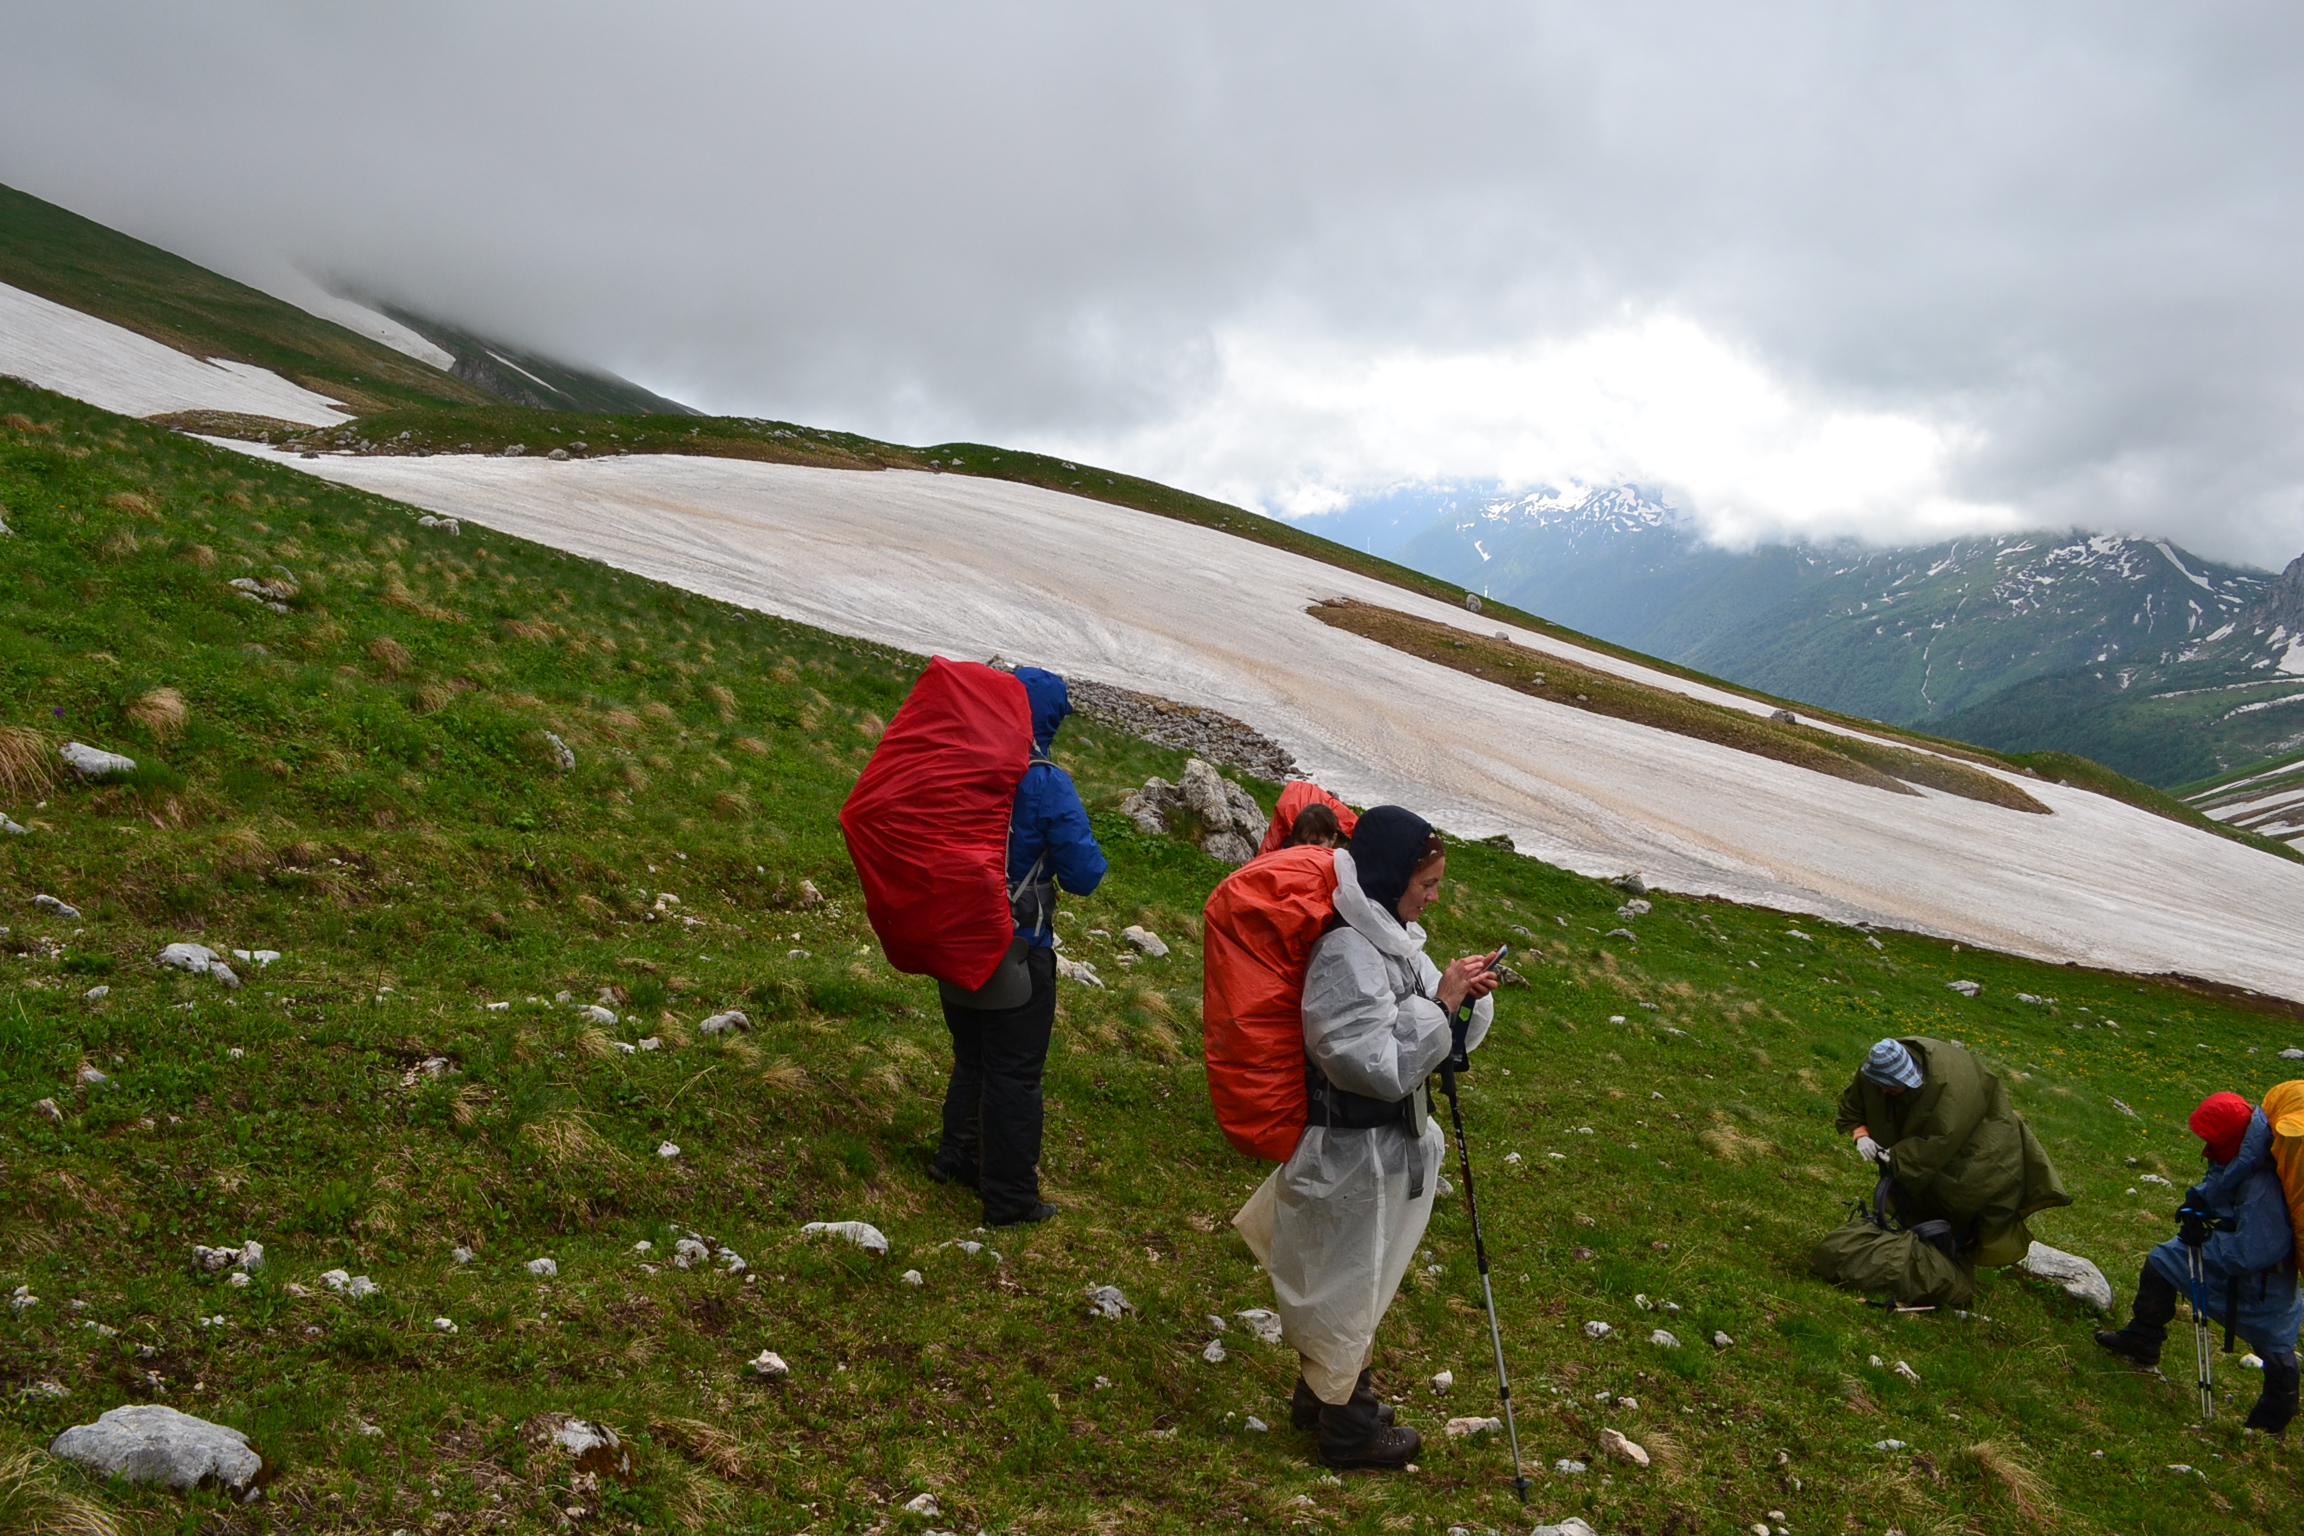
(2202,1360)
(1448,1068)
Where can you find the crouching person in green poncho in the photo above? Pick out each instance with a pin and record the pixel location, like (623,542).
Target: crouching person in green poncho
(1960,1172)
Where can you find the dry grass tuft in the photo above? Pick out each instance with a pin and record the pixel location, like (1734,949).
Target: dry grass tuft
(29,1502)
(433,697)
(199,556)
(391,655)
(27,761)
(657,711)
(784,1077)
(869,726)
(595,1044)
(1670,1455)
(620,723)
(132,503)
(161,712)
(723,701)
(753,745)
(118,547)
(705,1443)
(243,848)
(731,805)
(569,1138)
(17,421)
(2026,1489)
(1731,1145)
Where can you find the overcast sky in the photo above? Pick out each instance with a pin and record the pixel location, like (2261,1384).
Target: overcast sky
(1846,267)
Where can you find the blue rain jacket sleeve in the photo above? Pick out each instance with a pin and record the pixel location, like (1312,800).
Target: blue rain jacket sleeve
(2258,1253)
(1049,818)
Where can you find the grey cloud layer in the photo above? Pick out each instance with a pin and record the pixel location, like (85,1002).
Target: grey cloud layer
(2068,229)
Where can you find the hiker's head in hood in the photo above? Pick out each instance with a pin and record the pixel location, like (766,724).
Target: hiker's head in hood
(2221,1122)
(1315,826)
(1399,860)
(1050,701)
(1891,1067)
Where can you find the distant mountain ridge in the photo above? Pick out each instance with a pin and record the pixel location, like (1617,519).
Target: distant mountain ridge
(2081,642)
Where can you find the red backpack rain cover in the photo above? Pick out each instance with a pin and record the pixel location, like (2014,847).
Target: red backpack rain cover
(927,823)
(1256,939)
(1298,794)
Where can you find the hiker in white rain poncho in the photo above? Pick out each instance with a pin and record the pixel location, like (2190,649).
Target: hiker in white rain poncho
(1337,1224)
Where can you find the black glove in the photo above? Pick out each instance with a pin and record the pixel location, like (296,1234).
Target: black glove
(2193,1225)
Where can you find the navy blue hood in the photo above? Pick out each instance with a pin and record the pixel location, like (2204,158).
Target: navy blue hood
(1050,701)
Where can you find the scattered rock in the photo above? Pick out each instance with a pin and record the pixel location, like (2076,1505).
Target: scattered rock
(595,1014)
(543,1268)
(93,762)
(1784,717)
(1622,1449)
(809,895)
(1907,1373)
(1722,1341)
(2026,997)
(592,1447)
(1664,1339)
(2152,1178)
(923,1504)
(1636,907)
(1263,1324)
(1597,1330)
(14,828)
(22,1301)
(1144,942)
(562,754)
(1256,1426)
(97,994)
(1473,1425)
(461,1255)
(1107,1301)
(1214,1353)
(914,1277)
(260,958)
(724,1023)
(1078,970)
(1631,884)
(862,1233)
(557,455)
(360,1287)
(1571,1526)
(1965,988)
(91,1078)
(2293,1053)
(224,974)
(46,1109)
(1888,1445)
(770,1365)
(248,1258)
(1186,727)
(667,1150)
(2079,1279)
(195,958)
(55,908)
(1623,933)
(689,1252)
(1568,1467)
(146,1443)
(1202,808)
(1443,1380)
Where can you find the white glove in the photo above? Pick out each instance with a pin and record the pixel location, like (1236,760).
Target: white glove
(1870,1150)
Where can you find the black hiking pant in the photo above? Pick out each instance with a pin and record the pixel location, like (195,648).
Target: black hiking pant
(992,1110)
(2155,1309)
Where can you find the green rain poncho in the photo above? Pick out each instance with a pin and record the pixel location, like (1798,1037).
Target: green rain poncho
(1958,1151)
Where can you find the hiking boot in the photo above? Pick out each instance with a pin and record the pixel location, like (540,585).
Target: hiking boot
(944,1172)
(1304,1412)
(1040,1211)
(2277,1405)
(2121,1342)
(1351,1435)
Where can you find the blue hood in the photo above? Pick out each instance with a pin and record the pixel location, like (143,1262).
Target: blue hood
(1050,703)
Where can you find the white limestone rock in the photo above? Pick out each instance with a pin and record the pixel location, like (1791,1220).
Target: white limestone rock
(1109,1303)
(724,1023)
(149,1444)
(1144,941)
(1262,1323)
(862,1233)
(55,907)
(93,762)
(2076,1276)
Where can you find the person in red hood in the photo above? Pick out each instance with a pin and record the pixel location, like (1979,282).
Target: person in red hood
(2249,1270)
(1299,796)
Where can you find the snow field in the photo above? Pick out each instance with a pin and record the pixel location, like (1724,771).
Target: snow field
(967,567)
(107,365)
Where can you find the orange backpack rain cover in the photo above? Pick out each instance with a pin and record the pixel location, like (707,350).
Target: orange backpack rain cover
(927,823)
(1257,934)
(2284,1107)
(1298,794)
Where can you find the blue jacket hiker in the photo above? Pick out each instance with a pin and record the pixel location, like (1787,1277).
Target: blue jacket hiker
(2248,1271)
(1000,1033)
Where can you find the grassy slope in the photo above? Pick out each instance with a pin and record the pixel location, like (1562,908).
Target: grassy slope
(403,840)
(74,261)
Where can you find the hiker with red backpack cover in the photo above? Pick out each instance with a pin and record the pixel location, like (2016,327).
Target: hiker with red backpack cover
(1338,1222)
(962,830)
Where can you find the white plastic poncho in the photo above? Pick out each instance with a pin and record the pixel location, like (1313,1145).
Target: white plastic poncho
(1335,1224)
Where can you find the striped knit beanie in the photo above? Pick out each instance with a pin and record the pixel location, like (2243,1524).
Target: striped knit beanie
(1890,1065)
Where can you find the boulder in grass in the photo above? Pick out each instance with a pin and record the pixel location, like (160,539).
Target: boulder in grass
(149,1444)
(592,1447)
(1614,1443)
(195,958)
(1144,941)
(2074,1275)
(55,907)
(1108,1302)
(724,1023)
(862,1233)
(1572,1526)
(1263,1323)
(1474,1425)
(94,762)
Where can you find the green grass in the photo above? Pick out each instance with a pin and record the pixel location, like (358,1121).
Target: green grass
(389,818)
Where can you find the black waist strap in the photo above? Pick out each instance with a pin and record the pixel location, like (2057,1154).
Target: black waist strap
(1340,1109)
